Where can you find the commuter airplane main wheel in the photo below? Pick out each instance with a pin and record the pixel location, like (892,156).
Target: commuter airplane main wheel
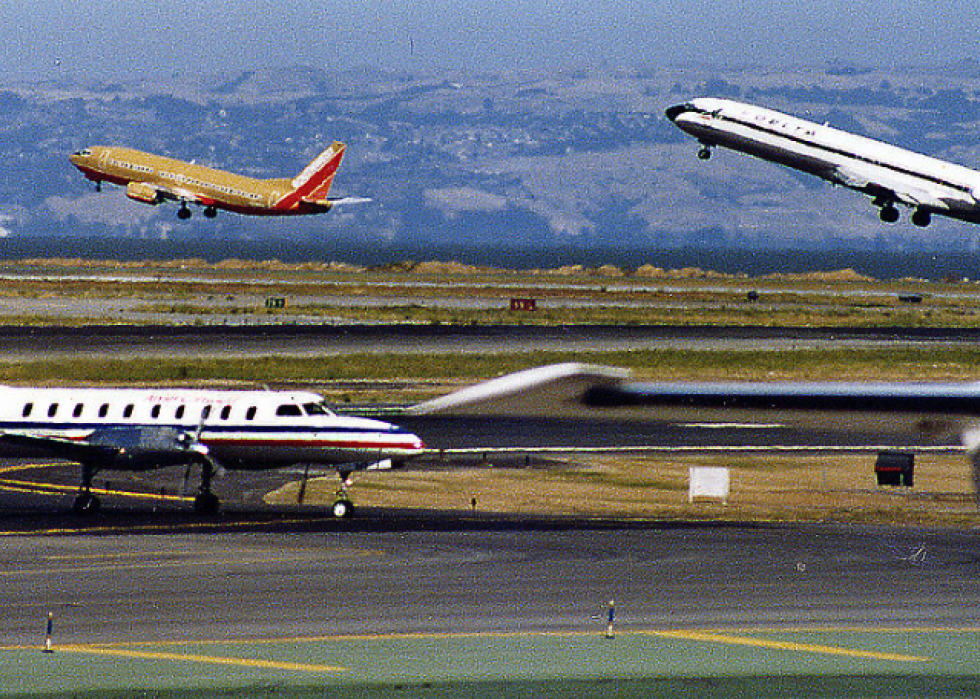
(342,509)
(206,503)
(86,504)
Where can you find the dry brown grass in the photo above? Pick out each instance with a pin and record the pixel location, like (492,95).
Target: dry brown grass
(765,487)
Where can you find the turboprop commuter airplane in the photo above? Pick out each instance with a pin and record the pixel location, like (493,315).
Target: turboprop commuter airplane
(890,174)
(144,429)
(582,392)
(152,179)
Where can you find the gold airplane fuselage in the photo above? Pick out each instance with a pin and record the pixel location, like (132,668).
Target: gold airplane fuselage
(153,178)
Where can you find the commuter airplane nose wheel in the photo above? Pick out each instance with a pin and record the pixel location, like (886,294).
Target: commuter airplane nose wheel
(704,153)
(342,509)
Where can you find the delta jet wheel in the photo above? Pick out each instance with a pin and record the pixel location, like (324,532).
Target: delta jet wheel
(888,214)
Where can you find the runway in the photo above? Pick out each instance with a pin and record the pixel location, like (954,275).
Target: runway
(317,340)
(260,601)
(436,600)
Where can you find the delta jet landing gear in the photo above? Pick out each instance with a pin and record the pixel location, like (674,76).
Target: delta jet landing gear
(704,152)
(886,205)
(921,218)
(888,213)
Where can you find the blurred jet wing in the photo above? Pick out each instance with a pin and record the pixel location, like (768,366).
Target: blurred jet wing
(590,392)
(557,390)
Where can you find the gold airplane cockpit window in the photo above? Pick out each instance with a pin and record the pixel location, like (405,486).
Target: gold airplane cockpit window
(84,153)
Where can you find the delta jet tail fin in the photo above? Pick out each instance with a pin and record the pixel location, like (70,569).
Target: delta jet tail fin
(313,184)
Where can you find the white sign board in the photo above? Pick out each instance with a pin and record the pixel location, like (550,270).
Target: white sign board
(709,482)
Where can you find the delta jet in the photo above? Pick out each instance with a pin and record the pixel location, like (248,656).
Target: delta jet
(152,179)
(582,392)
(889,174)
(144,429)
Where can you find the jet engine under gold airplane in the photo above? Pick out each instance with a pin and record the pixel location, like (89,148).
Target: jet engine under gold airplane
(153,178)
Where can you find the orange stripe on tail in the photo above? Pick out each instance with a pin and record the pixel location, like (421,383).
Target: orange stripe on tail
(313,184)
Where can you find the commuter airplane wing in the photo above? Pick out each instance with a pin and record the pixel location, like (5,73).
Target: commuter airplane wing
(889,174)
(575,391)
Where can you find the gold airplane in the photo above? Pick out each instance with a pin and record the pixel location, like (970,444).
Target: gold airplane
(152,179)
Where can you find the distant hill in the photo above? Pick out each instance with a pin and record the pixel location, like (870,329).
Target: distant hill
(580,159)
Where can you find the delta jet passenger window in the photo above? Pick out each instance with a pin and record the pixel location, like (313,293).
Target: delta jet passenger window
(28,408)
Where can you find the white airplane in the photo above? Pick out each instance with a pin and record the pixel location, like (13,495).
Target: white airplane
(577,392)
(890,174)
(144,429)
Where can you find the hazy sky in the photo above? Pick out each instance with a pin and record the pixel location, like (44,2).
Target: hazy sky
(118,38)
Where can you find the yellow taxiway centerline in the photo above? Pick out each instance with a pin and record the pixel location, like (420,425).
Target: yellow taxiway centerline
(205,659)
(725,639)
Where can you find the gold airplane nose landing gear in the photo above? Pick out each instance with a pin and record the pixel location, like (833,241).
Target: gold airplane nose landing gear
(183,213)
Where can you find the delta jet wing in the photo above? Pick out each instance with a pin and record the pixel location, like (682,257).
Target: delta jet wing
(889,174)
(582,392)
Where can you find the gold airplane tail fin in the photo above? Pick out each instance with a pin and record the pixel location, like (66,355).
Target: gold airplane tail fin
(313,184)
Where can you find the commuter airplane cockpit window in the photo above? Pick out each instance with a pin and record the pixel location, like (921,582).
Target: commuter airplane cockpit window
(317,409)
